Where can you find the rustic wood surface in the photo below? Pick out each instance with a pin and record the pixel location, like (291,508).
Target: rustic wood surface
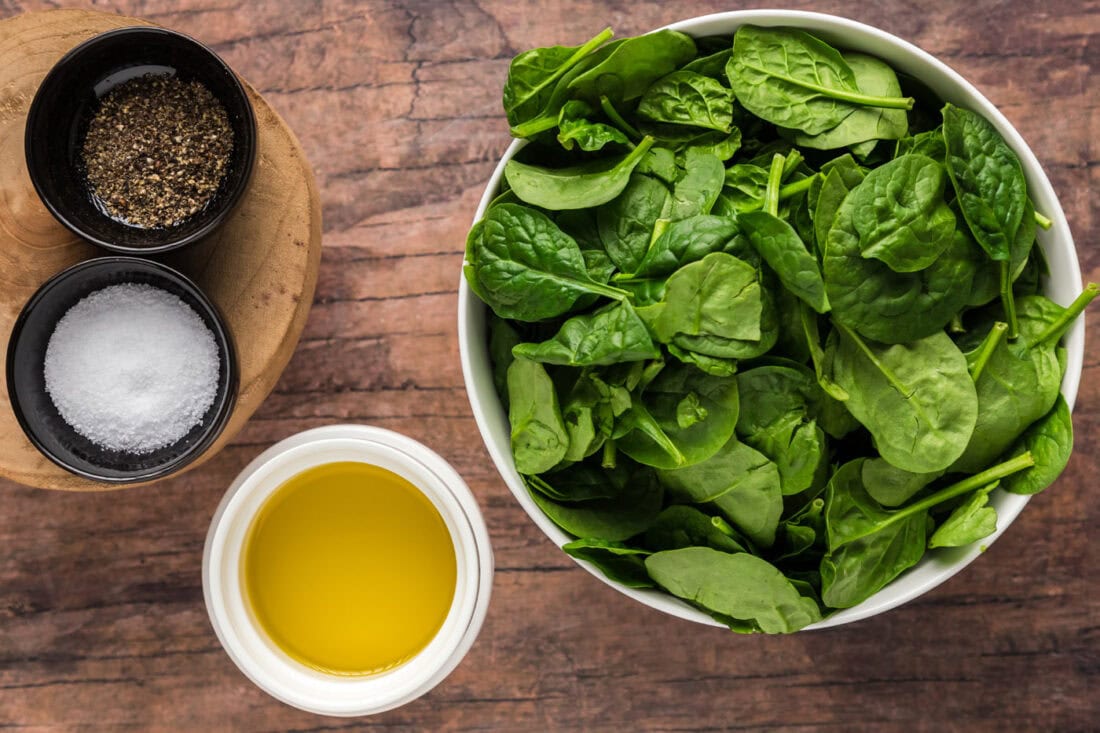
(259,268)
(397,106)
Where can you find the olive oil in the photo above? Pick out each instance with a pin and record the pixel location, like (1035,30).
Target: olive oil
(349,569)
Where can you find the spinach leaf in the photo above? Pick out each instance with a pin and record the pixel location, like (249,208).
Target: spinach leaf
(659,163)
(873,77)
(1019,382)
(525,268)
(969,522)
(696,191)
(829,198)
(689,240)
(739,585)
(741,483)
(657,439)
(613,520)
(744,186)
(792,79)
(610,335)
(626,224)
(533,74)
(574,187)
(892,486)
(684,526)
(539,440)
(781,248)
(575,129)
(917,399)
(578,482)
(888,306)
(688,98)
(988,179)
(502,337)
(633,65)
(719,295)
(712,365)
(777,418)
(1050,441)
(619,562)
(899,214)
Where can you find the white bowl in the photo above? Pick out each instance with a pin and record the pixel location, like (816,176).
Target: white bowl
(271,668)
(1063,286)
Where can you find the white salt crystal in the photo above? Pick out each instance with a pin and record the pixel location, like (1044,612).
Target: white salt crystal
(132,368)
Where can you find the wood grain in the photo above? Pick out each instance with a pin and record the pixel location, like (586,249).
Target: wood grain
(259,267)
(397,108)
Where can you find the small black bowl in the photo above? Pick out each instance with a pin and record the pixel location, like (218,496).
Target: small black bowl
(66,101)
(38,416)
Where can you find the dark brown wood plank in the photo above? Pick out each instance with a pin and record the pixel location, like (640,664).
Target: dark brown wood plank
(397,107)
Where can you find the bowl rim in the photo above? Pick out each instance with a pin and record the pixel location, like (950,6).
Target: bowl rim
(226,204)
(222,335)
(949,561)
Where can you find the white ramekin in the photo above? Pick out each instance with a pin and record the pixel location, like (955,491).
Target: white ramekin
(1063,285)
(268,666)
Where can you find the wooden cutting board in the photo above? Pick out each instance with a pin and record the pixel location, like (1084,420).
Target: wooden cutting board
(260,267)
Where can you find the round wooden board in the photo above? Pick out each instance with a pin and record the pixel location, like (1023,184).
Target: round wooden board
(260,267)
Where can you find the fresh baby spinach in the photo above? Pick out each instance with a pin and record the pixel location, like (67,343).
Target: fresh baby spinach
(755,353)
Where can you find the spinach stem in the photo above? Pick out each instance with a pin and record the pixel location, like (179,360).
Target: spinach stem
(1008,301)
(1043,222)
(968,484)
(989,345)
(1058,328)
(617,119)
(542,123)
(797,187)
(791,162)
(723,526)
(771,193)
(609,450)
(606,291)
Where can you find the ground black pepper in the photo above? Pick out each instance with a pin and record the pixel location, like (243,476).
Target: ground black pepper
(157,149)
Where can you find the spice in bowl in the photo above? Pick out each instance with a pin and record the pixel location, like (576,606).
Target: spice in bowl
(132,368)
(156,150)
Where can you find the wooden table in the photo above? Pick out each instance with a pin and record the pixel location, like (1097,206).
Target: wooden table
(397,106)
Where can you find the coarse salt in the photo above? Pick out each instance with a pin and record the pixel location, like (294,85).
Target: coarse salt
(132,368)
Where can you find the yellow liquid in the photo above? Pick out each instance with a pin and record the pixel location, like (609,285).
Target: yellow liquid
(349,569)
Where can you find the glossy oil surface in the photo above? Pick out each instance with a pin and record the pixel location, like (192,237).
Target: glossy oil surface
(349,569)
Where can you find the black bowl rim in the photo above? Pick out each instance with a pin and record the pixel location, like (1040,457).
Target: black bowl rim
(223,336)
(227,204)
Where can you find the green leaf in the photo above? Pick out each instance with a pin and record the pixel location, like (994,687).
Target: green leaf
(574,187)
(632,65)
(792,79)
(618,562)
(888,306)
(685,526)
(899,215)
(575,129)
(830,197)
(697,190)
(688,98)
(610,335)
(626,223)
(533,75)
(719,295)
(917,399)
(739,585)
(539,440)
(777,242)
(876,78)
(740,482)
(657,438)
(892,486)
(613,520)
(969,522)
(1050,441)
(988,179)
(689,240)
(525,268)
